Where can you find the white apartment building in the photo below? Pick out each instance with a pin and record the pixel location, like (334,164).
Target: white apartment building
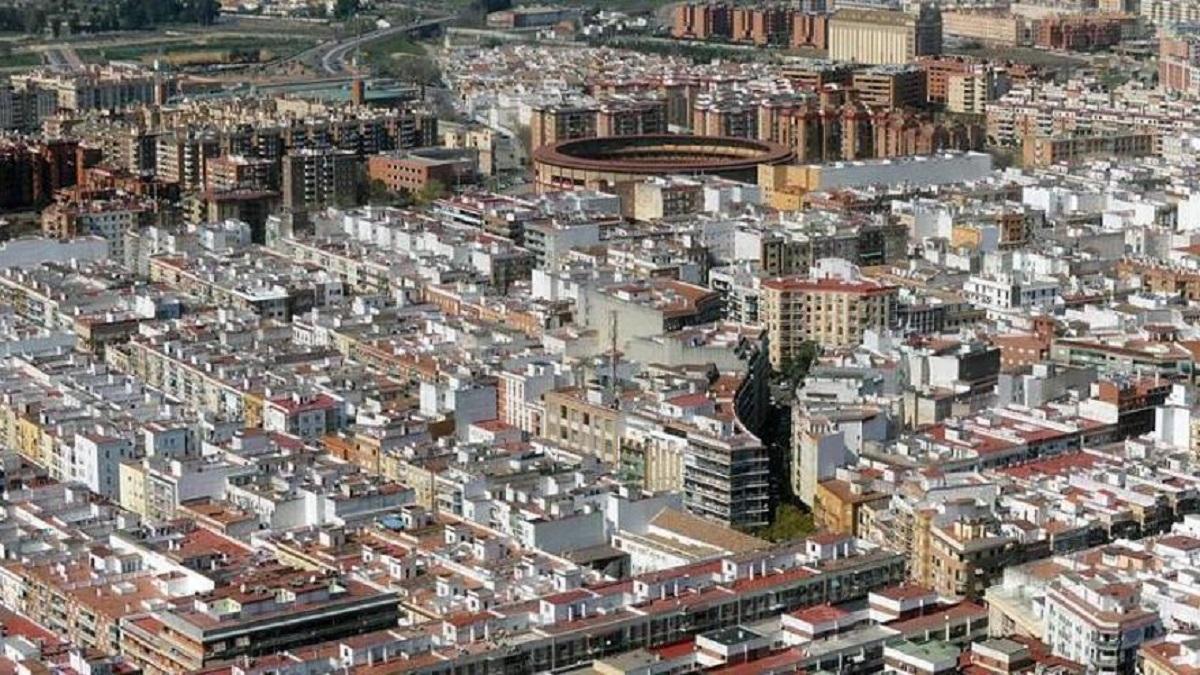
(1009,291)
(95,460)
(1098,621)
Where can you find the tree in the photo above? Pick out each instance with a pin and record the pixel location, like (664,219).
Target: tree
(345,9)
(35,20)
(412,68)
(794,369)
(525,138)
(378,194)
(788,523)
(203,12)
(434,189)
(133,15)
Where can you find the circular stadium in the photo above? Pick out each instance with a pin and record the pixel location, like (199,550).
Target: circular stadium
(596,163)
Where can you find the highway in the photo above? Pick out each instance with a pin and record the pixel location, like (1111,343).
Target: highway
(63,58)
(333,58)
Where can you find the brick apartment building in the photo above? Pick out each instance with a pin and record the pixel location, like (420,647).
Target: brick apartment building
(779,25)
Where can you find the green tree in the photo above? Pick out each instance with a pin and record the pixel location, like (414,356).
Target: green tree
(378,194)
(133,15)
(435,189)
(411,68)
(794,369)
(345,9)
(203,12)
(34,20)
(789,522)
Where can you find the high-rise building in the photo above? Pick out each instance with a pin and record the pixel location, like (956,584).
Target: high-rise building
(1179,61)
(796,25)
(890,86)
(1170,13)
(236,172)
(735,118)
(1085,33)
(30,173)
(561,122)
(832,306)
(817,132)
(762,25)
(315,179)
(182,158)
(99,87)
(990,25)
(632,117)
(879,36)
(701,21)
(24,109)
(970,93)
(726,476)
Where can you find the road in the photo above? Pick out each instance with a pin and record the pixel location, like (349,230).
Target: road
(332,58)
(63,58)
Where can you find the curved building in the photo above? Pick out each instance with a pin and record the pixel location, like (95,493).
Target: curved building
(597,163)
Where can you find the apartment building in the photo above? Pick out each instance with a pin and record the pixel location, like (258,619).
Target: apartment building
(584,421)
(99,87)
(726,475)
(817,132)
(1010,291)
(631,117)
(25,109)
(557,122)
(183,157)
(31,172)
(109,220)
(1044,151)
(1179,61)
(994,26)
(238,172)
(828,310)
(313,179)
(787,25)
(839,504)
(658,198)
(702,21)
(1084,33)
(970,93)
(761,25)
(883,37)
(890,86)
(684,609)
(267,611)
(939,69)
(1170,13)
(815,74)
(1172,654)
(818,451)
(648,307)
(1098,621)
(734,118)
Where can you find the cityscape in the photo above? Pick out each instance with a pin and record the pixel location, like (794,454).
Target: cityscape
(600,337)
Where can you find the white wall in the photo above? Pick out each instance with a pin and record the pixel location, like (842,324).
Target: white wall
(35,251)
